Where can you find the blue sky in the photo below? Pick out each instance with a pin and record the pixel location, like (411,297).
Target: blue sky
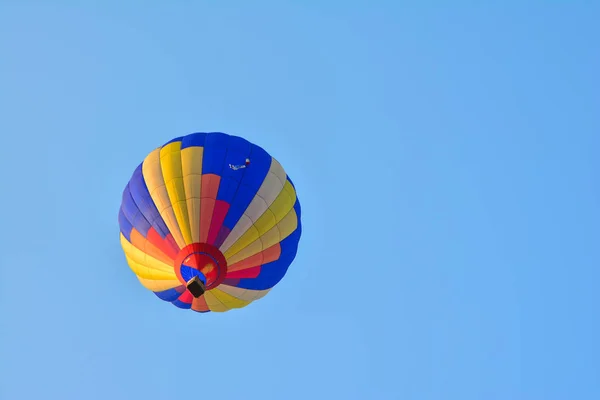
(446,159)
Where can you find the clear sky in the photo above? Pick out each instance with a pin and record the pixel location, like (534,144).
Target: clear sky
(446,160)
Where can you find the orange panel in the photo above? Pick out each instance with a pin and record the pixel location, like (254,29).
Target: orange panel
(144,245)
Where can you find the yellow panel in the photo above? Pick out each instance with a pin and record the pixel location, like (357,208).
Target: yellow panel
(191,167)
(170,164)
(158,286)
(214,304)
(140,242)
(158,191)
(228,300)
(280,208)
(144,272)
(276,234)
(286,227)
(243,224)
(244,294)
(266,195)
(283,229)
(144,259)
(248,251)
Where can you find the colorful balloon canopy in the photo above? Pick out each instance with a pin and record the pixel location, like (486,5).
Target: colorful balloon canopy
(209,222)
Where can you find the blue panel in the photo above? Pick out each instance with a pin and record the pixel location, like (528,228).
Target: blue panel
(188,273)
(215,149)
(291,183)
(298,232)
(297,206)
(181,304)
(125,226)
(273,272)
(194,139)
(169,295)
(133,214)
(238,150)
(252,179)
(298,209)
(227,188)
(143,201)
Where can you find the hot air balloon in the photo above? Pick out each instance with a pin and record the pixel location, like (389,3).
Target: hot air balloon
(209,222)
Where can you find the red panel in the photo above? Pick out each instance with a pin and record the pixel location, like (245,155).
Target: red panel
(172,244)
(186,297)
(207,207)
(210,186)
(219,213)
(142,244)
(169,247)
(209,190)
(244,273)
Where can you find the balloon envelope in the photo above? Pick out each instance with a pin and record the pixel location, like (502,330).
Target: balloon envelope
(209,222)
